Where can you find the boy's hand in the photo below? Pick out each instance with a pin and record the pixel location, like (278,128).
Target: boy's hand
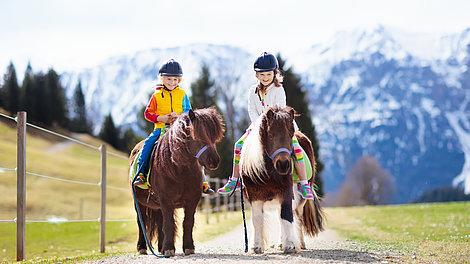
(173,117)
(164,118)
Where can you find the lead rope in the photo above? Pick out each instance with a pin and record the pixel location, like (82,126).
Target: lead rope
(243,213)
(141,221)
(242,201)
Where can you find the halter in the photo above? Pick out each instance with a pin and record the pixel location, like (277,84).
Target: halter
(279,150)
(201,151)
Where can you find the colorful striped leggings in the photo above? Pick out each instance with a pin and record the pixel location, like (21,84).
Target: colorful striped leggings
(299,156)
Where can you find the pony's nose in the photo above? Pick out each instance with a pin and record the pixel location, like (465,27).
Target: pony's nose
(283,166)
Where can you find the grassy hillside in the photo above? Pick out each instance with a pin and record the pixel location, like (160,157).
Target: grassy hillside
(421,232)
(47,198)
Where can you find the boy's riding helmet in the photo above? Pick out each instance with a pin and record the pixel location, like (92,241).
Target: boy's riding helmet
(171,68)
(266,62)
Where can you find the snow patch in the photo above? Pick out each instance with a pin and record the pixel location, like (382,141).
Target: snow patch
(456,121)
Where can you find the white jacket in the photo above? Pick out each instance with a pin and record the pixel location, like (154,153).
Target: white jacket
(275,96)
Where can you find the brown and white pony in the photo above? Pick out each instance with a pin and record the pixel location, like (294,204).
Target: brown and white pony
(266,168)
(176,178)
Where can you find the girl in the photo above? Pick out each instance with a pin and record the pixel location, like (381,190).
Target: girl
(268,92)
(168,101)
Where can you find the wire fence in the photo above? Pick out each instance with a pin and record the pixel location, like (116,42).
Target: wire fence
(214,204)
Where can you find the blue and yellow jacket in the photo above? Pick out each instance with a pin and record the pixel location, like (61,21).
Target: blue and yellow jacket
(164,101)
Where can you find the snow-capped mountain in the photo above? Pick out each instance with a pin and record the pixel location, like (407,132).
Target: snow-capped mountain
(375,92)
(401,97)
(122,85)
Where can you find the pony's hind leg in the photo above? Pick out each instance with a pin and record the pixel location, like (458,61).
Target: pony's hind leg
(258,225)
(188,224)
(299,204)
(141,245)
(169,230)
(161,235)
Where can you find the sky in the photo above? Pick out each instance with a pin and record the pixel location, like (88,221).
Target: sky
(70,35)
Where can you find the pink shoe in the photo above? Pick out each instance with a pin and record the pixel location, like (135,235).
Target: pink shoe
(305,191)
(229,186)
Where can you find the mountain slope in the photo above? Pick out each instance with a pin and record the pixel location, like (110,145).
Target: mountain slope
(401,97)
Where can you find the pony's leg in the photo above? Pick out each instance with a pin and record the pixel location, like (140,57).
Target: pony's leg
(299,204)
(188,224)
(258,225)
(169,229)
(290,242)
(161,235)
(141,245)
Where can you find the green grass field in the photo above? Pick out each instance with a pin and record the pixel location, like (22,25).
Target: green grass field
(47,242)
(421,232)
(49,198)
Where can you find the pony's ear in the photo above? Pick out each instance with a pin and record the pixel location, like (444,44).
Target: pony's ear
(292,112)
(191,114)
(270,113)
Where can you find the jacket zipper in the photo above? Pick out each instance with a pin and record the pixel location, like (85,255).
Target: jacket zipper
(171,102)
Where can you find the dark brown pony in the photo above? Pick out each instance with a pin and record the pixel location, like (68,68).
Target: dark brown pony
(266,168)
(176,178)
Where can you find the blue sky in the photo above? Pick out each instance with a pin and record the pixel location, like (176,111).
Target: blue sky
(74,34)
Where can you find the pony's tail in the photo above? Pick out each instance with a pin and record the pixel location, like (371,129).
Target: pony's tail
(313,216)
(153,219)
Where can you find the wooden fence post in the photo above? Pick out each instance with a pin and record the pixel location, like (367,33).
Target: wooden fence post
(21,187)
(103,199)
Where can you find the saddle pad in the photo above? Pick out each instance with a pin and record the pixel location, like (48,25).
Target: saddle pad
(133,169)
(308,166)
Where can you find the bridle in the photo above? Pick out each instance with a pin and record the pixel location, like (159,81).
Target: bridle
(279,151)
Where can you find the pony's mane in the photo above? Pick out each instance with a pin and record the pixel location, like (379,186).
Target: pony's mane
(252,155)
(207,127)
(252,158)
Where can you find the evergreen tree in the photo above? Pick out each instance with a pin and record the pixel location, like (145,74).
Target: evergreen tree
(41,111)
(296,98)
(10,92)
(128,140)
(203,90)
(203,95)
(109,133)
(80,122)
(142,123)
(28,102)
(58,103)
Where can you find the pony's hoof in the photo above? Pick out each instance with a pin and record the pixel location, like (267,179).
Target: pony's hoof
(289,249)
(142,251)
(189,251)
(258,250)
(169,253)
(302,245)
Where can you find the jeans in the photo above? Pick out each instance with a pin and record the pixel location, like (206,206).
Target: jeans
(147,150)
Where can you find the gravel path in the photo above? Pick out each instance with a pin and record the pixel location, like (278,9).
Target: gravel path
(229,248)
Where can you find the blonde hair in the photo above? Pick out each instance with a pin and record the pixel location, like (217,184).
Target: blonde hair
(160,77)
